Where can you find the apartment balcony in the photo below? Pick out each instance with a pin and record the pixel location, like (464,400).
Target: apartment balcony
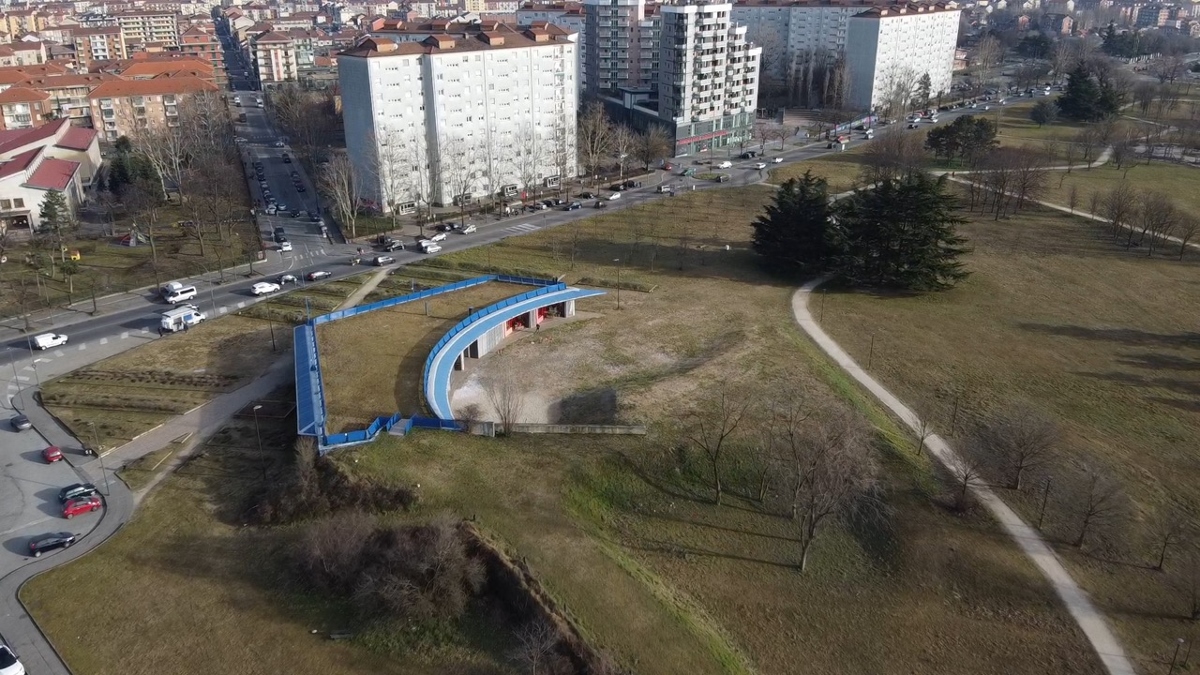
(106,105)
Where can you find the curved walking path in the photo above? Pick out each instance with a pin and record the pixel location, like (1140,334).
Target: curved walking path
(1089,618)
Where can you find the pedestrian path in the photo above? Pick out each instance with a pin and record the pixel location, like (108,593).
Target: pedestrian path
(1093,624)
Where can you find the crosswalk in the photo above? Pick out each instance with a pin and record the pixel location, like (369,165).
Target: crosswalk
(523,227)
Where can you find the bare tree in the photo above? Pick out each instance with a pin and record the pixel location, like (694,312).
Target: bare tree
(969,470)
(1168,531)
(531,154)
(391,167)
(338,182)
(1155,214)
(1063,60)
(1018,440)
(988,52)
(893,154)
(1030,177)
(595,137)
(458,172)
(537,649)
(712,422)
(652,146)
(1095,201)
(1100,505)
(624,142)
(1073,197)
(1118,206)
(165,148)
(898,92)
(1089,144)
(832,472)
(505,390)
(1188,226)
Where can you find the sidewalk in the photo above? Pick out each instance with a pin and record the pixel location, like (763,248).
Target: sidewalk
(1087,616)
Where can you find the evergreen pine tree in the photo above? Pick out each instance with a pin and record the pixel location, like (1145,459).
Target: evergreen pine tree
(1081,99)
(899,234)
(792,236)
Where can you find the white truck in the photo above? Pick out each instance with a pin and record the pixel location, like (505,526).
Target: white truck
(181,318)
(47,340)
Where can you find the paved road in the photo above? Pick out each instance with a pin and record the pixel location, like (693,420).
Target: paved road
(127,320)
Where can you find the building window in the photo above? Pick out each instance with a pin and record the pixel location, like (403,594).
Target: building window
(18,203)
(6,204)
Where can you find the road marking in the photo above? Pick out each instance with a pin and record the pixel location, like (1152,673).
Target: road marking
(124,334)
(103,341)
(523,227)
(241,304)
(83,346)
(145,329)
(222,310)
(22,378)
(58,352)
(26,525)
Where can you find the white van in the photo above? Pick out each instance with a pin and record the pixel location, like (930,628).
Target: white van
(48,340)
(180,318)
(181,294)
(169,288)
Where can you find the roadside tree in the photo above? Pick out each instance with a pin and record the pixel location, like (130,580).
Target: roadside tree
(711,424)
(338,182)
(1044,112)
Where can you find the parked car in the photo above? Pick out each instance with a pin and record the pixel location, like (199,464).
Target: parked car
(296,213)
(286,159)
(52,454)
(663,189)
(468,229)
(264,287)
(48,542)
(381,260)
(573,206)
(433,248)
(76,491)
(600,204)
(630,184)
(587,195)
(279,144)
(271,210)
(9,664)
(445,227)
(749,154)
(440,236)
(318,275)
(82,505)
(21,423)
(393,245)
(278,232)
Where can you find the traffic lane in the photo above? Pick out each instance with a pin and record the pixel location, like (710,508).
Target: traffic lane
(29,503)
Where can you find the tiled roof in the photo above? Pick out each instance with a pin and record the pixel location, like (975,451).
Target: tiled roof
(24,137)
(53,174)
(77,138)
(25,46)
(19,163)
(154,68)
(454,37)
(272,36)
(60,81)
(156,86)
(22,95)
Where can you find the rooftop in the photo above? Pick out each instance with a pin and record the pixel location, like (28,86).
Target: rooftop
(22,95)
(53,174)
(19,138)
(152,87)
(444,36)
(19,163)
(77,138)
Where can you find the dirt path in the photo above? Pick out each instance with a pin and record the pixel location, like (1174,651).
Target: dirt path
(1089,618)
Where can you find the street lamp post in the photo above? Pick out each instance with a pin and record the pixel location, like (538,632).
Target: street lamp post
(618,260)
(99,454)
(36,376)
(257,433)
(8,355)
(1175,656)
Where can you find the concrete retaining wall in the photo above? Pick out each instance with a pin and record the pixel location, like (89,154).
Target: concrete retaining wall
(636,430)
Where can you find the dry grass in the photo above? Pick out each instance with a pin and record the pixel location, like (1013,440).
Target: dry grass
(1174,180)
(716,590)
(185,589)
(130,393)
(138,473)
(1056,315)
(841,169)
(372,363)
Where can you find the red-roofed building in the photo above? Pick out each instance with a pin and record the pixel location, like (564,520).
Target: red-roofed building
(206,47)
(55,156)
(102,43)
(273,59)
(24,108)
(120,107)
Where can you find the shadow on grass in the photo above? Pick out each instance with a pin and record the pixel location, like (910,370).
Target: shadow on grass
(594,406)
(674,549)
(1127,336)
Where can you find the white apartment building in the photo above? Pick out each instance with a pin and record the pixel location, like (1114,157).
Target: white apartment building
(467,112)
(149,26)
(565,15)
(795,33)
(892,47)
(274,60)
(707,77)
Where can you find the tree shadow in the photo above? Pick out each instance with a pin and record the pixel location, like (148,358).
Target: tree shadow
(1126,336)
(673,549)
(593,406)
(1154,361)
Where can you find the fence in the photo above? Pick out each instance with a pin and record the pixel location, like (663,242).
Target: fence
(459,327)
(310,394)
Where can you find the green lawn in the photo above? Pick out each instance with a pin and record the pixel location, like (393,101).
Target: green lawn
(1176,181)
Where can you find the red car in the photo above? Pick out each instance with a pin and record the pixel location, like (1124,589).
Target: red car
(82,505)
(52,454)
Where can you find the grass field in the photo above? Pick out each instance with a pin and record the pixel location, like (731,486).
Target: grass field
(130,393)
(1057,316)
(184,588)
(372,364)
(107,267)
(842,170)
(933,590)
(1174,180)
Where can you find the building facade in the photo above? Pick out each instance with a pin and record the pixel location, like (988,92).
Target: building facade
(468,113)
(272,60)
(98,44)
(565,15)
(120,108)
(146,26)
(893,47)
